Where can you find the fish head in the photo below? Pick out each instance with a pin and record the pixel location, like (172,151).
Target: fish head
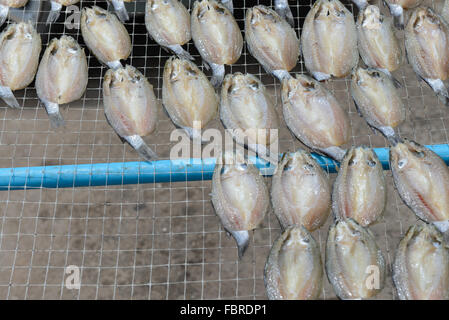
(364,158)
(238,83)
(409,154)
(121,77)
(347,232)
(371,18)
(329,9)
(367,77)
(206,10)
(424,19)
(232,163)
(300,161)
(301,85)
(159,5)
(92,14)
(181,69)
(261,16)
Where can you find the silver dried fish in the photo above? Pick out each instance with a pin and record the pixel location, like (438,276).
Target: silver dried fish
(360,192)
(105,36)
(378,46)
(300,192)
(426,39)
(56,6)
(239,195)
(397,10)
(217,37)
(20,46)
(62,76)
(421,266)
(6,4)
(329,40)
(378,101)
(422,180)
(168,23)
(247,109)
(355,265)
(294,270)
(314,116)
(130,107)
(188,96)
(271,40)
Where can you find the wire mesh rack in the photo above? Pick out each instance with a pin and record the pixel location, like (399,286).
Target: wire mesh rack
(161,240)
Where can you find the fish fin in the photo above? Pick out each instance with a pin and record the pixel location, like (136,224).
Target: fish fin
(242,239)
(283,9)
(228,4)
(281,74)
(390,134)
(54,12)
(120,10)
(218,72)
(439,88)
(320,76)
(3,14)
(180,52)
(116,64)
(8,96)
(56,119)
(141,147)
(398,15)
(358,109)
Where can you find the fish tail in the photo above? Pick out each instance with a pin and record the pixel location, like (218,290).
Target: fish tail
(116,64)
(3,14)
(218,72)
(141,147)
(440,89)
(120,10)
(56,119)
(54,13)
(283,9)
(361,4)
(8,96)
(242,240)
(335,153)
(281,74)
(180,52)
(398,16)
(228,4)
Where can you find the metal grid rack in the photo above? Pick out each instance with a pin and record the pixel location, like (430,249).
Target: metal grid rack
(156,241)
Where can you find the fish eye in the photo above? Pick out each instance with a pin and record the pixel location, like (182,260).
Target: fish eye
(402,163)
(220,10)
(190,72)
(254,86)
(242,166)
(371,163)
(308,166)
(352,162)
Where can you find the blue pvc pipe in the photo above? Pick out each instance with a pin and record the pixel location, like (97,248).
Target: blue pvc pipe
(103,174)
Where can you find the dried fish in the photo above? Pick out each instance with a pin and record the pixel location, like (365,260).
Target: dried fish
(6,4)
(355,265)
(272,41)
(378,101)
(217,37)
(239,195)
(56,6)
(120,9)
(378,46)
(329,40)
(422,180)
(249,111)
(360,192)
(130,107)
(421,266)
(426,39)
(168,23)
(314,116)
(293,270)
(397,9)
(188,96)
(300,192)
(20,46)
(105,36)
(62,76)
(283,9)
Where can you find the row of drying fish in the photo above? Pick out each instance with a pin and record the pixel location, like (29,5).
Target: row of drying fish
(302,200)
